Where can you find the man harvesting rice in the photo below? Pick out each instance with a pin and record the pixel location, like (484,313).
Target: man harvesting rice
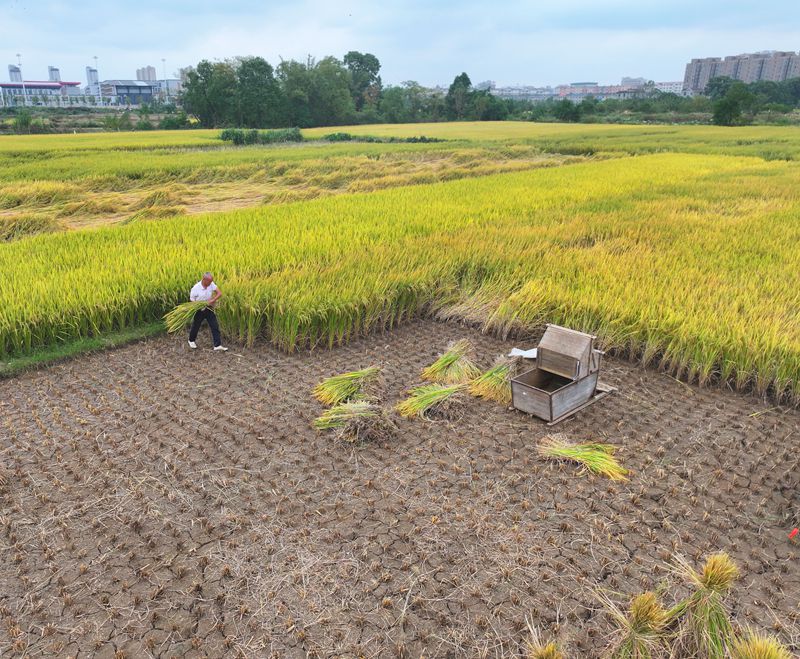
(207,291)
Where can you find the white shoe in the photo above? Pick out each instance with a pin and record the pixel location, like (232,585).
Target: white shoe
(220,349)
(192,345)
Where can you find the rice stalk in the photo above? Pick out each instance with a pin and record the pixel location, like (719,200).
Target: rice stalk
(356,421)
(454,366)
(340,388)
(430,399)
(641,629)
(537,648)
(592,456)
(755,645)
(704,626)
(495,384)
(182,315)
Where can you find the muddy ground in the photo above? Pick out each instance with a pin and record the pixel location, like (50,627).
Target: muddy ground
(162,502)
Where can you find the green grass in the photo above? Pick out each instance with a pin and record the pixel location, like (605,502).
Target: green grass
(47,356)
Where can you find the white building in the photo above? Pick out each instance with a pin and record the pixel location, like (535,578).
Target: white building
(670,87)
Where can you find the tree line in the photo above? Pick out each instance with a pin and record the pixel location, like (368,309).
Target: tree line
(249,92)
(736,102)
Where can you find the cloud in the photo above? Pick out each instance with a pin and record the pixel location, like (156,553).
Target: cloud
(516,41)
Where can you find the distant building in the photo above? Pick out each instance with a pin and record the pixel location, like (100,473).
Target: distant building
(771,65)
(524,93)
(633,82)
(14,73)
(167,88)
(146,73)
(669,87)
(37,92)
(127,92)
(53,74)
(92,81)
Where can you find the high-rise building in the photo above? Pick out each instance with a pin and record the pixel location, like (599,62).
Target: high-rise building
(92,81)
(146,73)
(14,73)
(53,74)
(748,67)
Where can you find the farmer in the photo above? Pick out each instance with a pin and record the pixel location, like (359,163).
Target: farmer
(207,291)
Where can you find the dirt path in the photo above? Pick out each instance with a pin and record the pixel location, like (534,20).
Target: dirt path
(168,503)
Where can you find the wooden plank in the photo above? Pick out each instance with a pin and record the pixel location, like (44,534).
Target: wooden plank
(603,390)
(558,363)
(530,400)
(573,395)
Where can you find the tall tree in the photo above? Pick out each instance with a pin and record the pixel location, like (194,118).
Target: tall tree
(210,93)
(331,102)
(365,83)
(458,97)
(717,87)
(295,80)
(260,100)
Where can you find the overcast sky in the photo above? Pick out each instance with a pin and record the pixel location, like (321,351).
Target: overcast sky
(430,41)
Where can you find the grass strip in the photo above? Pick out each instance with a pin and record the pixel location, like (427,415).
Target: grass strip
(47,356)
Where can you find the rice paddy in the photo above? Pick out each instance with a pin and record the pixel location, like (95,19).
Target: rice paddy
(682,260)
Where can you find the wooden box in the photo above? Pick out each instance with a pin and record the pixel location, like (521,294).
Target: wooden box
(565,377)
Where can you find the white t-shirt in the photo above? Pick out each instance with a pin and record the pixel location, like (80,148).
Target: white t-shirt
(200,293)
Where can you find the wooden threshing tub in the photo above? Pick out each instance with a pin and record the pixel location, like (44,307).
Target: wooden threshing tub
(565,378)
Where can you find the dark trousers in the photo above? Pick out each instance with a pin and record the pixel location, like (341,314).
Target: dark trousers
(211,317)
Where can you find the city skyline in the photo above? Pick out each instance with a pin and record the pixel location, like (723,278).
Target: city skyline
(524,44)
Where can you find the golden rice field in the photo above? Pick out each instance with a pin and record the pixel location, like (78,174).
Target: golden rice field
(686,260)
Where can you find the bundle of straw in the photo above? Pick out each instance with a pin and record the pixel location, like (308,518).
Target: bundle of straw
(641,630)
(453,367)
(356,421)
(705,629)
(344,387)
(428,399)
(182,315)
(757,646)
(594,457)
(495,384)
(536,648)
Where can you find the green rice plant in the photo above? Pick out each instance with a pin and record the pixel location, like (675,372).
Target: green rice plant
(182,315)
(537,648)
(705,629)
(641,630)
(356,421)
(432,400)
(495,384)
(455,366)
(592,456)
(755,645)
(340,388)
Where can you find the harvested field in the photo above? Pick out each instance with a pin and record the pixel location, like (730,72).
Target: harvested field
(167,503)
